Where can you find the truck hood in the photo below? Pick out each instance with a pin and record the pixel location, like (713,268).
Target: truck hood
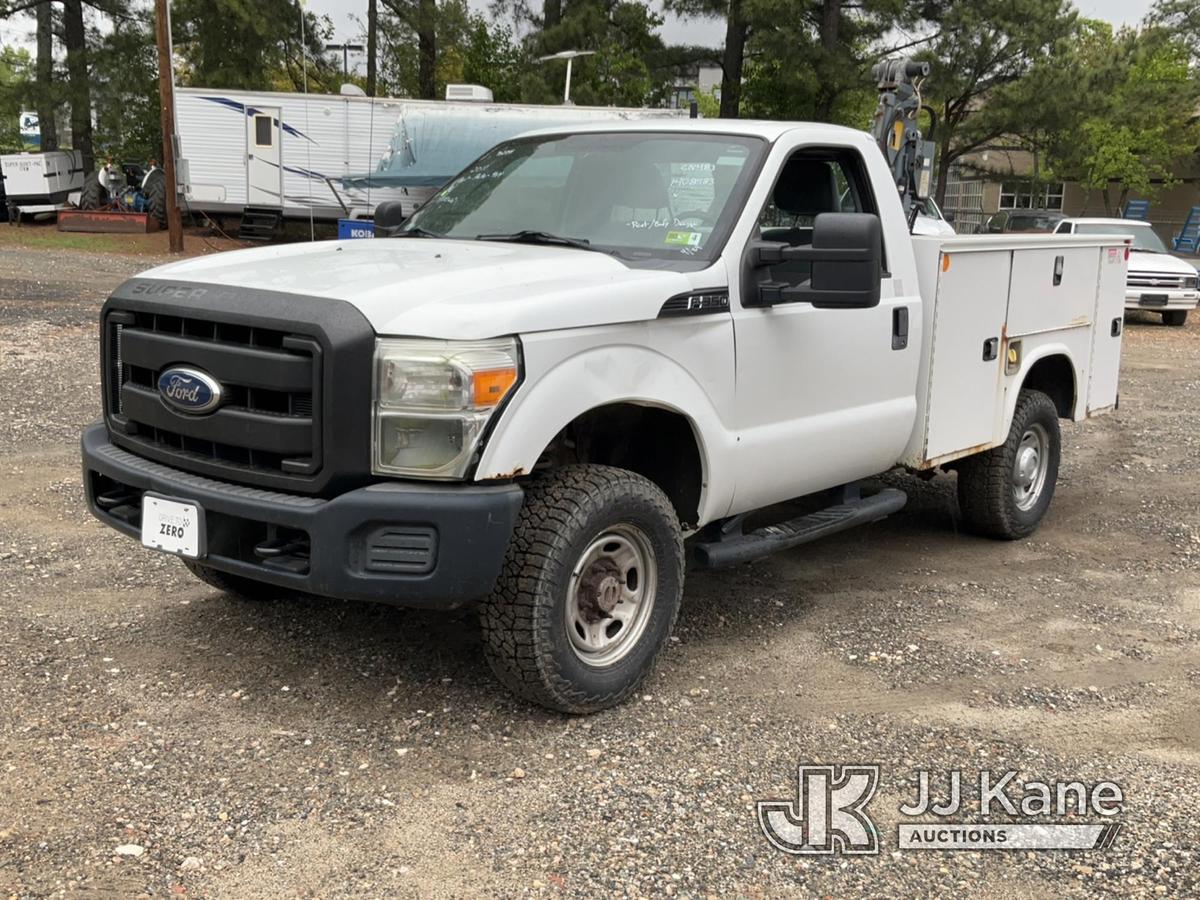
(447,289)
(1162,263)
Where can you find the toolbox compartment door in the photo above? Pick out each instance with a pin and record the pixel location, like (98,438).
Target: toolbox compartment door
(966,388)
(1110,327)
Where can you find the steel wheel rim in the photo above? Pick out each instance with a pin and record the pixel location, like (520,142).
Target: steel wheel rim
(1030,467)
(611,596)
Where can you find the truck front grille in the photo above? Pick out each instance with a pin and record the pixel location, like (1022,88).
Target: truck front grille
(268,419)
(1165,282)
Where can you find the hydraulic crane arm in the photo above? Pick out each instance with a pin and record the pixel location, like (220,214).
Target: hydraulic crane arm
(909,155)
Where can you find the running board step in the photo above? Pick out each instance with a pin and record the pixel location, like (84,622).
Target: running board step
(739,548)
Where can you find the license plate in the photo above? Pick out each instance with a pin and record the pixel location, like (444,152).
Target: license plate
(1153,300)
(173,526)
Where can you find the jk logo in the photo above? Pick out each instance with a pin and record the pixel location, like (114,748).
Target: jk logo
(828,814)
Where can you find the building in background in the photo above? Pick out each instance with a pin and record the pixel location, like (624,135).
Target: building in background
(998,178)
(694,81)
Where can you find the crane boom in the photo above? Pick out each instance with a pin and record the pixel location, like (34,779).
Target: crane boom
(909,155)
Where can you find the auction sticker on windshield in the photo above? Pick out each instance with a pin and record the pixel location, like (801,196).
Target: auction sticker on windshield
(172,526)
(684,238)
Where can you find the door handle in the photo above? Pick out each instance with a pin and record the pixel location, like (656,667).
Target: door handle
(991,349)
(899,327)
(1116,327)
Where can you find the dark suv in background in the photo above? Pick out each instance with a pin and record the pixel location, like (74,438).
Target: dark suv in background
(1028,221)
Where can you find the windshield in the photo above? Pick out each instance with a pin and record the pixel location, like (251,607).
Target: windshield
(1029,222)
(1143,236)
(635,195)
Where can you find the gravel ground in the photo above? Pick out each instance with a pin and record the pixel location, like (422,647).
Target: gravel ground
(159,737)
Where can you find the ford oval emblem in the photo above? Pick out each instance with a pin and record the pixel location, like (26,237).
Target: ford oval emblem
(189,390)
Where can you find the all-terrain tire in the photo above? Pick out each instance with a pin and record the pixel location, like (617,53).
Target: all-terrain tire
(245,588)
(155,189)
(569,515)
(988,482)
(1175,317)
(93,195)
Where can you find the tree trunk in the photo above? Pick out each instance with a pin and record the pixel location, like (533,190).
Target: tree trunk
(943,165)
(79,87)
(827,93)
(551,13)
(831,19)
(733,60)
(427,48)
(372,46)
(44,77)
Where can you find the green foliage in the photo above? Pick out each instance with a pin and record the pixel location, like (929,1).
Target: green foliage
(16,78)
(472,49)
(1182,19)
(1134,120)
(125,92)
(981,50)
(251,45)
(629,67)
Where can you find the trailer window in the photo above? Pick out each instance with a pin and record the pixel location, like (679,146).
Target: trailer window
(264,134)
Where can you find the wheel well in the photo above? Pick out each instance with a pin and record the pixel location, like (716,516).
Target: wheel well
(658,444)
(1054,376)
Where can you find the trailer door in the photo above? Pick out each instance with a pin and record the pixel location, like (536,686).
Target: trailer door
(264,172)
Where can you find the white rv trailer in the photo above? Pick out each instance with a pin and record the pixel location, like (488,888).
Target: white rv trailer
(339,156)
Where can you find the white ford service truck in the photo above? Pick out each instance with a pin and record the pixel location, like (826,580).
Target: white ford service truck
(591,345)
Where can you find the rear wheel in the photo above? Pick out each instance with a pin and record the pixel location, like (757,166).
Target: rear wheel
(93,195)
(245,588)
(155,189)
(589,591)
(1004,492)
(1175,317)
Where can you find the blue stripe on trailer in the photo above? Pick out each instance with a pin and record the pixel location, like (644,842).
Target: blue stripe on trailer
(254,111)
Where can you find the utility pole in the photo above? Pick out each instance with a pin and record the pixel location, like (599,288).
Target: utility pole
(345,48)
(166,99)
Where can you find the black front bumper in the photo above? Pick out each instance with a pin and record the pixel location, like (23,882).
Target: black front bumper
(401,543)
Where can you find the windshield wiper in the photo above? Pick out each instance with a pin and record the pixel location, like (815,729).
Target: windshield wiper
(530,236)
(1145,250)
(418,232)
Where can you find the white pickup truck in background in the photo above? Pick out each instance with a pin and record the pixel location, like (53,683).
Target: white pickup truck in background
(593,344)
(1157,281)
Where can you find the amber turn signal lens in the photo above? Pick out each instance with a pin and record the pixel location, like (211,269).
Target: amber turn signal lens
(490,387)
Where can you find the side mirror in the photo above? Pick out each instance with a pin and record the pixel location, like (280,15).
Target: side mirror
(948,215)
(389,216)
(846,260)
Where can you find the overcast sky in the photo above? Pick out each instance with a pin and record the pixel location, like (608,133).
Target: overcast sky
(710,32)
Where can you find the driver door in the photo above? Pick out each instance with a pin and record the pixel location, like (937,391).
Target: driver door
(823,396)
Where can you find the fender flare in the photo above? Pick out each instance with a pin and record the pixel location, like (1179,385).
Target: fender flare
(1017,382)
(597,378)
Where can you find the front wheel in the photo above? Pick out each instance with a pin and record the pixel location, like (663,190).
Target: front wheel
(1175,317)
(589,591)
(1004,492)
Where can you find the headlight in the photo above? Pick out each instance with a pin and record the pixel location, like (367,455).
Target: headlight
(433,400)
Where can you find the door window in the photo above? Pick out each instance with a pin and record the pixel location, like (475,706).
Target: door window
(811,182)
(264,134)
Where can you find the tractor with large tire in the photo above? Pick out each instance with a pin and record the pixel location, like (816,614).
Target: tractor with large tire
(128,188)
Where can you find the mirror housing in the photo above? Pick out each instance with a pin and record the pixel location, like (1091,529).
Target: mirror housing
(389,216)
(846,256)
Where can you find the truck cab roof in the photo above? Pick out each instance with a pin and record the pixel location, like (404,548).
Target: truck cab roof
(769,131)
